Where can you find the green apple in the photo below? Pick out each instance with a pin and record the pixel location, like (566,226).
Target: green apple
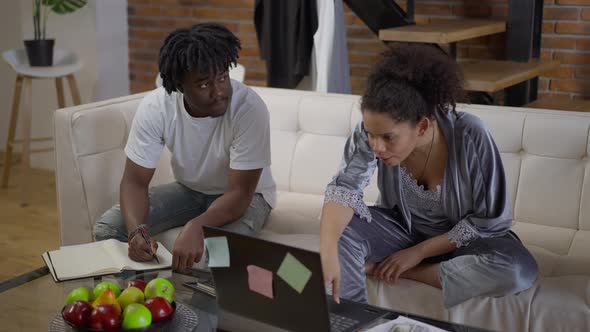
(130,295)
(106,284)
(160,287)
(136,316)
(80,294)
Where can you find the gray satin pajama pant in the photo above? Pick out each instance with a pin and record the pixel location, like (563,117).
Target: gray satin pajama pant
(495,266)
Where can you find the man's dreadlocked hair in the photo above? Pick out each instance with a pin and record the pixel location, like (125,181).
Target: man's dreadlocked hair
(209,47)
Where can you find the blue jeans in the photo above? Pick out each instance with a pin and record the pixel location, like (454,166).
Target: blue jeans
(173,205)
(486,267)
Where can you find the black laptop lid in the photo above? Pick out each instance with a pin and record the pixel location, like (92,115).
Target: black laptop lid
(289,309)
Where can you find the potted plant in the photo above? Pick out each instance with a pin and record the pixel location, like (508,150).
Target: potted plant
(40,49)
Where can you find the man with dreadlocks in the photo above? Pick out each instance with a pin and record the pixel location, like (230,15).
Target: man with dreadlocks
(217,131)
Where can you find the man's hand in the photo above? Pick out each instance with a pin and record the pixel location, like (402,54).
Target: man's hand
(188,247)
(393,266)
(139,250)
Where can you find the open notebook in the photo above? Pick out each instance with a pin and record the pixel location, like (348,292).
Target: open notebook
(99,258)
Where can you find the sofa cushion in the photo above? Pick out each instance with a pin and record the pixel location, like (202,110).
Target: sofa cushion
(508,313)
(101,172)
(295,213)
(90,130)
(549,191)
(282,145)
(555,239)
(322,115)
(315,161)
(168,237)
(585,197)
(561,304)
(581,245)
(553,304)
(309,242)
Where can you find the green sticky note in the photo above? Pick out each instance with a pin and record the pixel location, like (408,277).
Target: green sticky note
(294,273)
(218,251)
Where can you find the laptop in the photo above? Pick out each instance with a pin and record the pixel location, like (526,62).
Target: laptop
(310,310)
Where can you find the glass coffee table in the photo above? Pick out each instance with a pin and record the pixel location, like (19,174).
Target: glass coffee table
(33,302)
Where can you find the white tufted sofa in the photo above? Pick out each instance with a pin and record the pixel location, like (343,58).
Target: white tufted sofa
(545,155)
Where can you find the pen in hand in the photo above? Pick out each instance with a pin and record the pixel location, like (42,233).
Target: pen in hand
(149,242)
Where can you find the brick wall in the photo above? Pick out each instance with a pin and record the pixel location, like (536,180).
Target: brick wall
(566,37)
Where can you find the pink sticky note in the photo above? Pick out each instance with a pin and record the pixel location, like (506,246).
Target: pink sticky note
(260,281)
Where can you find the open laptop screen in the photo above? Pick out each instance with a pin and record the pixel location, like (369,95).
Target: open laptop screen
(288,309)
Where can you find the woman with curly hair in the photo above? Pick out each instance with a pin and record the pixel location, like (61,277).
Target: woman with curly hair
(443,216)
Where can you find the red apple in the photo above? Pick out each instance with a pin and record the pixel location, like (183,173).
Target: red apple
(159,307)
(78,313)
(139,283)
(105,318)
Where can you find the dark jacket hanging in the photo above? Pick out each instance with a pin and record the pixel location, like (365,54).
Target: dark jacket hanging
(285,32)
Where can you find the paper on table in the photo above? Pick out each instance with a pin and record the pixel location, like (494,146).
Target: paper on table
(294,273)
(386,327)
(218,251)
(260,280)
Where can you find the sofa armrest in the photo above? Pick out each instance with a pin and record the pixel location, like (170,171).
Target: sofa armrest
(86,171)
(74,224)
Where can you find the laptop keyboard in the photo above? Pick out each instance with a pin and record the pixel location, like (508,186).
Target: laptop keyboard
(340,323)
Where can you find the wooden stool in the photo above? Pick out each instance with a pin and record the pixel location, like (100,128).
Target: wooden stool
(65,65)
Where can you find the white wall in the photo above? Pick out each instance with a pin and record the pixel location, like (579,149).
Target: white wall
(112,47)
(97,34)
(10,36)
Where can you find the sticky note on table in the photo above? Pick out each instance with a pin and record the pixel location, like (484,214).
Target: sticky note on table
(294,273)
(260,280)
(218,251)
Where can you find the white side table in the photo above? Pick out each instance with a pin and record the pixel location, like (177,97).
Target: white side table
(65,64)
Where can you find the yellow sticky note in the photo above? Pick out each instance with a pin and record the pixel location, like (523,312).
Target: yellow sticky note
(218,251)
(294,273)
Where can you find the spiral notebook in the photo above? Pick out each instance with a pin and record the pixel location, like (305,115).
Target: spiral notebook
(99,258)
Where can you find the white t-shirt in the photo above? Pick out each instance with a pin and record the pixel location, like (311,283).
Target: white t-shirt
(204,149)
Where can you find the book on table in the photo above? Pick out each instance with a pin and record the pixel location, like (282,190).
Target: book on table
(99,258)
